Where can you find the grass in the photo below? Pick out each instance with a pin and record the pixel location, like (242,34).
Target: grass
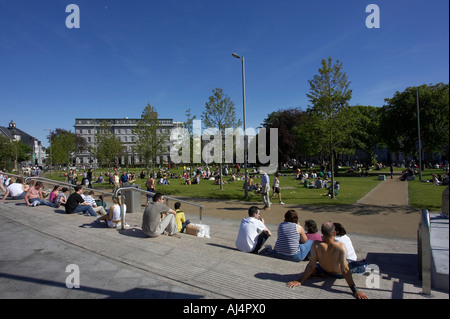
(426,195)
(352,188)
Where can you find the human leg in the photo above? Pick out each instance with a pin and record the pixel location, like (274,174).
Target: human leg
(169,224)
(262,237)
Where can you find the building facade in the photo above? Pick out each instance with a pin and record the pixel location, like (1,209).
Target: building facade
(123,130)
(38,155)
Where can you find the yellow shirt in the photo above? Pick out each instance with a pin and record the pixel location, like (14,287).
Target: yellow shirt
(180,219)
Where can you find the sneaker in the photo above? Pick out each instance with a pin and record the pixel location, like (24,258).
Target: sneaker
(34,204)
(281,203)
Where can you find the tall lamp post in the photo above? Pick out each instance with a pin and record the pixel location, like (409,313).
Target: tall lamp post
(51,159)
(245,142)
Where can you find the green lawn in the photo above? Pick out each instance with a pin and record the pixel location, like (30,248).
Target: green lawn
(426,195)
(352,188)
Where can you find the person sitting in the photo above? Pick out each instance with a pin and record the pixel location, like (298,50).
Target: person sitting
(54,193)
(159,218)
(252,232)
(34,196)
(76,204)
(114,218)
(16,190)
(100,179)
(180,218)
(318,183)
(311,230)
(328,257)
(292,243)
(353,263)
(89,199)
(61,198)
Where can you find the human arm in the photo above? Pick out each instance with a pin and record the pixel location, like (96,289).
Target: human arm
(348,276)
(308,270)
(6,195)
(301,231)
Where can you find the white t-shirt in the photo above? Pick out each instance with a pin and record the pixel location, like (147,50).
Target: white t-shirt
(351,254)
(15,189)
(248,233)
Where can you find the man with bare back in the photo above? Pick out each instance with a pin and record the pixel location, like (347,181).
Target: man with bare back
(332,259)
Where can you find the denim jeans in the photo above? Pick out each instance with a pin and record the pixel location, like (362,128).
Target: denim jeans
(21,196)
(301,255)
(41,202)
(85,209)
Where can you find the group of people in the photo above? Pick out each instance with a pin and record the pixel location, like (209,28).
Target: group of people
(330,253)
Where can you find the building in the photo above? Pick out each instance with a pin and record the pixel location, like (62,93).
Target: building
(123,129)
(38,155)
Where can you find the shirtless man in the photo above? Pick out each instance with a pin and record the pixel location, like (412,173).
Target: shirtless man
(332,259)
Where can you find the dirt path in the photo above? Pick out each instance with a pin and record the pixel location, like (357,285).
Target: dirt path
(384,211)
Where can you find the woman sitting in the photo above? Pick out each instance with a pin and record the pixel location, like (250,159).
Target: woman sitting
(292,243)
(113,218)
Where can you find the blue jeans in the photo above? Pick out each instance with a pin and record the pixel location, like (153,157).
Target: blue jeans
(301,255)
(41,202)
(21,196)
(85,209)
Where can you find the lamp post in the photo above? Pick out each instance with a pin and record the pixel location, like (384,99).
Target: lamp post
(245,135)
(51,159)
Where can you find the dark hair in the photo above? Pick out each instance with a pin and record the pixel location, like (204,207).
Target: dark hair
(177,205)
(64,189)
(77,188)
(252,211)
(157,196)
(39,184)
(291,216)
(311,225)
(340,230)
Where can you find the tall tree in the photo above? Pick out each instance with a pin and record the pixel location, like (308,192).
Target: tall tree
(366,134)
(220,113)
(329,95)
(399,120)
(150,143)
(108,148)
(289,147)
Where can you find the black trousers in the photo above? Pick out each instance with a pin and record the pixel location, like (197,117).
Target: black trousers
(261,240)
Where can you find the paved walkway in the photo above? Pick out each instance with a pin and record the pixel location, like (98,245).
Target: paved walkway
(38,243)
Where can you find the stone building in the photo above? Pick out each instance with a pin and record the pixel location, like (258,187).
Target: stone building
(123,129)
(38,154)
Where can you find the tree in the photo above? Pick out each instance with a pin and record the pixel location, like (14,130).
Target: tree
(220,113)
(399,119)
(328,115)
(149,142)
(366,134)
(289,146)
(63,145)
(107,147)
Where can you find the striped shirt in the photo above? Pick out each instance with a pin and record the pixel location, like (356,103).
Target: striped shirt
(288,241)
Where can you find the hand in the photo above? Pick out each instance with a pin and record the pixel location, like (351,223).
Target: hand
(360,295)
(293,284)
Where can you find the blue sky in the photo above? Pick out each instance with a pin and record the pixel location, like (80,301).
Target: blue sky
(172,54)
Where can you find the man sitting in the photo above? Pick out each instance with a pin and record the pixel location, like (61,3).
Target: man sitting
(16,190)
(76,204)
(252,232)
(332,259)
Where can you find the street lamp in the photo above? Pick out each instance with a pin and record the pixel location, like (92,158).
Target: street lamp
(245,144)
(51,159)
